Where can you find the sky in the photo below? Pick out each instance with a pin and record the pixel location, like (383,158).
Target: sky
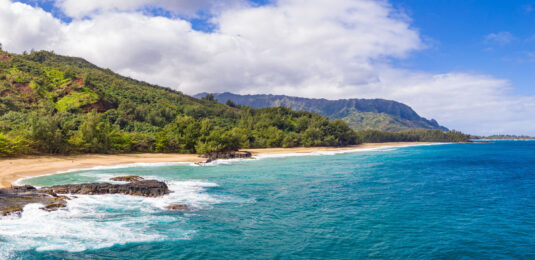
(465,63)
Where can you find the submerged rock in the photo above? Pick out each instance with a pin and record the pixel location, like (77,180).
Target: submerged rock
(15,209)
(13,199)
(177,207)
(226,155)
(55,205)
(131,178)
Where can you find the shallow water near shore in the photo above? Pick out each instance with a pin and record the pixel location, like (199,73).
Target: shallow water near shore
(441,201)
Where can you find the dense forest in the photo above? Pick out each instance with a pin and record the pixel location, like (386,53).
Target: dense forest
(414,135)
(52,104)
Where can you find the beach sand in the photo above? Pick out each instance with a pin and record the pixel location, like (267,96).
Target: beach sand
(17,168)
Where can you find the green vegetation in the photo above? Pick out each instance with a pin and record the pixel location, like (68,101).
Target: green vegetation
(60,105)
(52,104)
(76,99)
(359,114)
(382,121)
(415,135)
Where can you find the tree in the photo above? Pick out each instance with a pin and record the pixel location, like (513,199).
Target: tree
(231,104)
(48,133)
(181,135)
(96,135)
(210,97)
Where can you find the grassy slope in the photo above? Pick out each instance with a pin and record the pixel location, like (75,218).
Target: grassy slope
(72,84)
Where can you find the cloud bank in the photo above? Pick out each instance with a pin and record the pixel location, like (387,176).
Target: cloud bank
(313,48)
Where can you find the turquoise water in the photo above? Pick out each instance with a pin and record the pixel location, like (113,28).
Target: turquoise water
(443,201)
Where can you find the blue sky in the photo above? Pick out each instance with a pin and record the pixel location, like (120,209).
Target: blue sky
(457,32)
(468,64)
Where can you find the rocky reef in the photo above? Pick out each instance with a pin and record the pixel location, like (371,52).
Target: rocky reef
(147,188)
(13,200)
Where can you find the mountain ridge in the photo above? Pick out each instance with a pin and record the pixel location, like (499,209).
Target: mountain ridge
(359,114)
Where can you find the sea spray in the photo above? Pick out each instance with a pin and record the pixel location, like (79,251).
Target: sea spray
(98,221)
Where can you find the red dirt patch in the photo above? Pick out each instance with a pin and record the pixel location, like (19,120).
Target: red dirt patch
(6,93)
(78,82)
(100,106)
(28,92)
(24,88)
(5,57)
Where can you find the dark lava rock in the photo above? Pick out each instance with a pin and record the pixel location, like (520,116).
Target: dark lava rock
(55,205)
(177,207)
(226,155)
(147,188)
(18,189)
(131,178)
(13,200)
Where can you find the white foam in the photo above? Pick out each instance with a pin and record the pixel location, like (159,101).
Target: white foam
(99,221)
(223,162)
(82,226)
(356,150)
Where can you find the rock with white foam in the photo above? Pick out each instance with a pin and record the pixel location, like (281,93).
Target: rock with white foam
(14,199)
(146,188)
(177,207)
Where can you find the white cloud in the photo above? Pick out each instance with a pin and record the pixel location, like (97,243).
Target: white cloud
(23,27)
(83,8)
(501,38)
(314,48)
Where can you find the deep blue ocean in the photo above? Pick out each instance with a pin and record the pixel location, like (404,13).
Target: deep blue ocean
(452,201)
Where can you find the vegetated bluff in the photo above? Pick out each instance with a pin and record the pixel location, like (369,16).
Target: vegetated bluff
(56,104)
(359,114)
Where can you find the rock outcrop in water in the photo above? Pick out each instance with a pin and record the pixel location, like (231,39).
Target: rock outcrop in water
(147,188)
(13,200)
(226,155)
(177,207)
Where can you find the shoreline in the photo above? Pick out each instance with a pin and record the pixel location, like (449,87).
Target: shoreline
(13,170)
(511,139)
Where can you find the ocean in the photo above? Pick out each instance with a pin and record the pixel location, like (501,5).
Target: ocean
(449,201)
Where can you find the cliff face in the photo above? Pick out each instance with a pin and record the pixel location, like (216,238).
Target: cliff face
(378,114)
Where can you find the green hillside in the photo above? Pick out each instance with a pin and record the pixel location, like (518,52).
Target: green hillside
(52,104)
(359,114)
(56,104)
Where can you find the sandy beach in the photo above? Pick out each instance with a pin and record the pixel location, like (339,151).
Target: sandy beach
(13,169)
